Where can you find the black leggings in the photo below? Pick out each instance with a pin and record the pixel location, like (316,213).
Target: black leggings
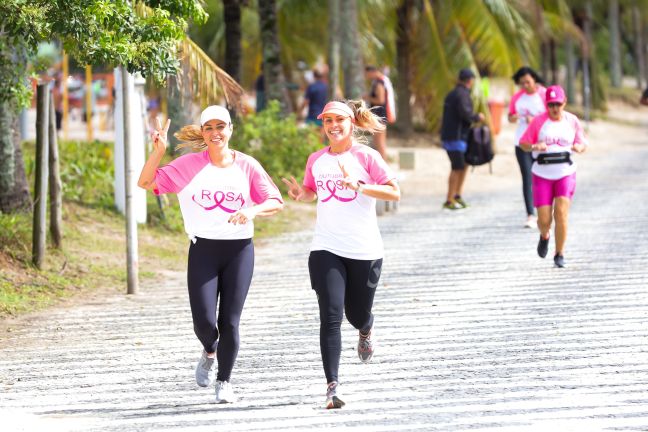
(526,161)
(342,285)
(219,268)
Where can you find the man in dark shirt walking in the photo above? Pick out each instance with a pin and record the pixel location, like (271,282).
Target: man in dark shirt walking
(458,115)
(315,98)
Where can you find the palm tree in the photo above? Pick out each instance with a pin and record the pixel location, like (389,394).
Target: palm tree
(615,43)
(275,85)
(232,18)
(352,63)
(404,47)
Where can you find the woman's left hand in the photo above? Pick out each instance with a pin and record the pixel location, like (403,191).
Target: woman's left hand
(242,217)
(578,148)
(348,181)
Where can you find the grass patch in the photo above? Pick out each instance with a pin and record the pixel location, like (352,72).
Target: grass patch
(93,258)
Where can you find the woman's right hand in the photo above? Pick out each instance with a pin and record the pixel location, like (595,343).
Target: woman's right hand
(539,147)
(295,191)
(159,136)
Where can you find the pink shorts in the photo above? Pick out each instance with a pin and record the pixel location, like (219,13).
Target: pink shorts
(545,190)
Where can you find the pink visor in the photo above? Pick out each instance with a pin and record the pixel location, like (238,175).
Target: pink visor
(555,94)
(338,108)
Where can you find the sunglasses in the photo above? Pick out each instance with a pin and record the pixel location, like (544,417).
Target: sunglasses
(554,105)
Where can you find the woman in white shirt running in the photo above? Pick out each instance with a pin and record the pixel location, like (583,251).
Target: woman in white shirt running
(220,192)
(346,255)
(527,103)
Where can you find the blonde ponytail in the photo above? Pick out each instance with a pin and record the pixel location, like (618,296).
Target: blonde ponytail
(190,136)
(365,119)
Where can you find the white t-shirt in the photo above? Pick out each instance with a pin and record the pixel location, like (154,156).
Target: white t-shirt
(209,195)
(346,220)
(559,136)
(524,104)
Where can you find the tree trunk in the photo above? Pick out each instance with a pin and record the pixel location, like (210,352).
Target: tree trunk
(275,83)
(14,189)
(638,44)
(39,227)
(553,64)
(570,86)
(55,187)
(352,67)
(334,48)
(403,49)
(232,17)
(615,43)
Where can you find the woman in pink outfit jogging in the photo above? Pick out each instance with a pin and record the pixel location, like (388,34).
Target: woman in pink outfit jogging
(552,137)
(346,255)
(220,192)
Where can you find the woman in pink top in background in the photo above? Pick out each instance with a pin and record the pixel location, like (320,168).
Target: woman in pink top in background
(346,255)
(220,192)
(552,137)
(527,103)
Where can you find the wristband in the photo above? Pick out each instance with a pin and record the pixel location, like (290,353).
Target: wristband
(360,188)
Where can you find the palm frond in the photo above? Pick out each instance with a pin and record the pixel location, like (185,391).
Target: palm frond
(210,81)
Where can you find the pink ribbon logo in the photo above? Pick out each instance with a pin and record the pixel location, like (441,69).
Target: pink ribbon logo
(219,199)
(330,185)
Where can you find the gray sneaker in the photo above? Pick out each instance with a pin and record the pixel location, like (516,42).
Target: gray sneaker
(365,347)
(224,392)
(332,399)
(205,370)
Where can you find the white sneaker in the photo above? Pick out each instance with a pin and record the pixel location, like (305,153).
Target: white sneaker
(531,222)
(332,399)
(205,370)
(224,392)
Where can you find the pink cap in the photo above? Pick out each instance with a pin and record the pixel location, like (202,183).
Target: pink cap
(335,107)
(555,94)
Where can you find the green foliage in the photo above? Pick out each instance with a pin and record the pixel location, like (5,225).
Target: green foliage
(87,171)
(277,143)
(112,32)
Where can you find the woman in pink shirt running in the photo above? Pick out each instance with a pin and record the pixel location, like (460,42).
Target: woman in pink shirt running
(552,137)
(220,192)
(526,103)
(346,255)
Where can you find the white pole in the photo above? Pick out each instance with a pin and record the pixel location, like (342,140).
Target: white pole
(131,223)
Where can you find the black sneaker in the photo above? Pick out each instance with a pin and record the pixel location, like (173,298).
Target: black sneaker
(543,247)
(559,260)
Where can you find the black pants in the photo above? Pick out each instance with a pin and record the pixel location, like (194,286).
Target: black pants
(343,285)
(526,161)
(219,268)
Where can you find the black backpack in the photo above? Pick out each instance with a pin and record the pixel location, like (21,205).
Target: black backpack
(480,146)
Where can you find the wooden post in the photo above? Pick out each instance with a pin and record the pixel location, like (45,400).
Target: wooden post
(131,223)
(88,102)
(55,185)
(66,97)
(39,231)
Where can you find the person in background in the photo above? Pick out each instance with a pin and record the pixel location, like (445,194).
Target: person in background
(527,103)
(458,115)
(315,98)
(552,137)
(381,101)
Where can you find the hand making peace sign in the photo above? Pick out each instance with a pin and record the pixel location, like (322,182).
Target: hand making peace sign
(295,191)
(159,137)
(348,181)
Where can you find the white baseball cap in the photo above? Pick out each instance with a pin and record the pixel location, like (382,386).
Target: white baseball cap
(215,112)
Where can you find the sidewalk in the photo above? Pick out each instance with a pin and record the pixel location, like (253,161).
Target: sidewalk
(475,332)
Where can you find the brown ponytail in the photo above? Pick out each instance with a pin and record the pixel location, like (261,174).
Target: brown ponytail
(190,136)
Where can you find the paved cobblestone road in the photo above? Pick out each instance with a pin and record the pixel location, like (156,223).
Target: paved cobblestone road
(475,331)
